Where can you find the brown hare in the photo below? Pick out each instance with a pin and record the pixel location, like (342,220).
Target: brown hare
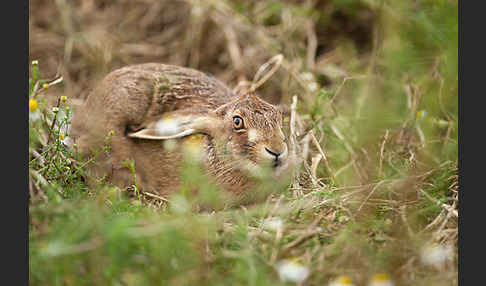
(150,113)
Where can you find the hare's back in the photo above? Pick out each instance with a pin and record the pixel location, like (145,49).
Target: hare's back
(130,95)
(151,89)
(179,88)
(127,96)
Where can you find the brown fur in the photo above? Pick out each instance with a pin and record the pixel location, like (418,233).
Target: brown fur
(136,97)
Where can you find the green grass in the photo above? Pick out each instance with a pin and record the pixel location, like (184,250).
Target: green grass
(389,131)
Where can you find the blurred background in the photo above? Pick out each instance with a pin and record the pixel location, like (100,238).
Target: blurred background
(376,81)
(84,40)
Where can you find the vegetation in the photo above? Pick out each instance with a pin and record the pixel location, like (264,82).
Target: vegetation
(375,200)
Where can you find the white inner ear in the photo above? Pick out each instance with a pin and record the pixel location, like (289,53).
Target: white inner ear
(173,128)
(181,134)
(167,127)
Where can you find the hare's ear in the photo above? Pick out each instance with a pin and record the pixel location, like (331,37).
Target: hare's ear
(176,125)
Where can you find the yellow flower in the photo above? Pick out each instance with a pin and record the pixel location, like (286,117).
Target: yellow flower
(35,62)
(381,279)
(32,105)
(45,85)
(63,98)
(61,136)
(342,281)
(421,114)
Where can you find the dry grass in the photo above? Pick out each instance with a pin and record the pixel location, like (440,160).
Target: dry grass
(377,179)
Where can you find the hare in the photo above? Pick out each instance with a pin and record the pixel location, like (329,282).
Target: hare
(150,113)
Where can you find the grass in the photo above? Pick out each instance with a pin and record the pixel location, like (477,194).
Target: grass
(376,82)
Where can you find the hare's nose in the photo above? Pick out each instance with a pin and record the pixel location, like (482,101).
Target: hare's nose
(276,154)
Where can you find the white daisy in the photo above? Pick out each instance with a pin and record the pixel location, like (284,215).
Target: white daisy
(313,86)
(435,254)
(292,270)
(273,223)
(307,76)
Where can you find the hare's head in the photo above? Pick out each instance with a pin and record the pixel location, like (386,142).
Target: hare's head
(246,133)
(252,131)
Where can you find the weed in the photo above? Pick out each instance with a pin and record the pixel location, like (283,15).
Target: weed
(374,200)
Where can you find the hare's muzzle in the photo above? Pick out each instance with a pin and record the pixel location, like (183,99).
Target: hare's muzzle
(277,155)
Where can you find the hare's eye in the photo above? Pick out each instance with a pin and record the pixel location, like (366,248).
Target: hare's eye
(238,123)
